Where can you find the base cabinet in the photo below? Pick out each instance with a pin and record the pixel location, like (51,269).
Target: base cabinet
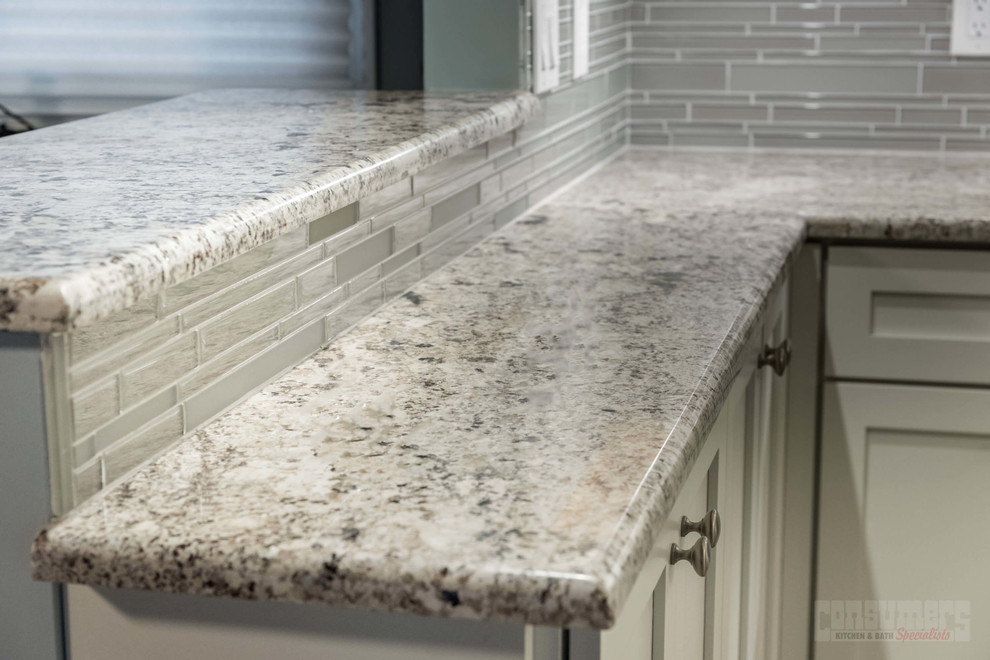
(732,613)
(672,612)
(903,515)
(904,523)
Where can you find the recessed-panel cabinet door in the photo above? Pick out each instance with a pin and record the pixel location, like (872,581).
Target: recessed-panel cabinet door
(904,526)
(683,634)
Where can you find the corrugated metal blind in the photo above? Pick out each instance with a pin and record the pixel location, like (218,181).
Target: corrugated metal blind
(70,58)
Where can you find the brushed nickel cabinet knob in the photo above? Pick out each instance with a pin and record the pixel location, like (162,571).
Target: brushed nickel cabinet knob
(710,526)
(699,556)
(776,357)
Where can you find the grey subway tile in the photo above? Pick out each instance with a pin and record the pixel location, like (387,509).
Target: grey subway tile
(457,245)
(404,278)
(509,213)
(143,445)
(345,239)
(951,116)
(95,407)
(158,369)
(974,116)
(806,14)
(517,173)
(359,258)
(767,77)
(135,418)
(449,168)
(874,42)
(394,214)
(229,359)
(317,309)
(125,351)
(330,224)
(703,111)
(83,451)
(397,261)
(410,230)
(678,75)
(316,282)
(814,113)
(234,271)
(688,139)
(724,13)
(364,280)
(243,321)
(354,310)
(500,145)
(438,236)
(221,394)
(455,206)
(86,342)
(659,111)
(249,287)
(973,144)
(650,139)
(458,184)
(956,79)
(682,41)
(942,45)
(385,198)
(87,481)
(822,141)
(490,188)
(933,13)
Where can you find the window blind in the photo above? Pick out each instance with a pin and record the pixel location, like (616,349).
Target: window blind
(62,59)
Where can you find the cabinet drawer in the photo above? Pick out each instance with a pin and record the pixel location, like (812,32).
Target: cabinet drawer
(908,314)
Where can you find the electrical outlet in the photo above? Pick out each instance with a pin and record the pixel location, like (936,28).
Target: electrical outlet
(977,14)
(546,45)
(582,37)
(971,27)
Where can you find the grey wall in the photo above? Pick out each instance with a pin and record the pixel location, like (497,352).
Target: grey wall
(471,44)
(781,74)
(30,612)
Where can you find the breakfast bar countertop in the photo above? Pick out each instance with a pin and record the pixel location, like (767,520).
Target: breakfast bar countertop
(506,440)
(100,213)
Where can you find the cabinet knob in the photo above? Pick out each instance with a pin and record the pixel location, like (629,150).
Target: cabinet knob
(700,555)
(709,526)
(776,357)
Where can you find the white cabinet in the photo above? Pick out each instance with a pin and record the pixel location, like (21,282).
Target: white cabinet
(733,612)
(901,314)
(904,520)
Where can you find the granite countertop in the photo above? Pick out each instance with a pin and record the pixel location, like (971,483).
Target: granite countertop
(506,440)
(102,212)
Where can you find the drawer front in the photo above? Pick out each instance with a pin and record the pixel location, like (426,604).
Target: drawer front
(908,314)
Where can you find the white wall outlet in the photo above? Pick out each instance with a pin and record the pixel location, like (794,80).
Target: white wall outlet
(546,45)
(582,37)
(971,27)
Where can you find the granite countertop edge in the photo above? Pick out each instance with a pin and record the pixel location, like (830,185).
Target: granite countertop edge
(591,590)
(64,303)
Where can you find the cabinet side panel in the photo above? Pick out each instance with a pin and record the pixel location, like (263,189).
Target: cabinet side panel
(799,467)
(30,612)
(117,624)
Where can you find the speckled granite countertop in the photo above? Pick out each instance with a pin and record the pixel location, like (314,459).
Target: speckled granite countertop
(506,440)
(99,213)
